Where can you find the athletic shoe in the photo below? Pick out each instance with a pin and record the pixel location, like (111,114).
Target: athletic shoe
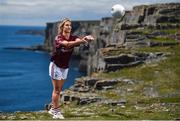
(58,115)
(52,111)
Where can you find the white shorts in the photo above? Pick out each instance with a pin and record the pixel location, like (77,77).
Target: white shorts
(57,73)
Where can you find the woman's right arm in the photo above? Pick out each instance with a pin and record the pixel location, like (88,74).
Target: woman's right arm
(77,42)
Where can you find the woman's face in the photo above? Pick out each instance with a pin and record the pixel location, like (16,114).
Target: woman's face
(67,27)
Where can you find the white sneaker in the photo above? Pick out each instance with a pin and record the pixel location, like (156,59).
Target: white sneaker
(52,111)
(58,115)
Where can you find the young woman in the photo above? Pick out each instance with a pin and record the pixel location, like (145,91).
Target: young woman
(58,68)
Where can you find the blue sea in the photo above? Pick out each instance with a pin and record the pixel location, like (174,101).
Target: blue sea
(24,81)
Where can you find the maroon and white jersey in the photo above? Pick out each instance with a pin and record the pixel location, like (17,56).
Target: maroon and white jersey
(61,55)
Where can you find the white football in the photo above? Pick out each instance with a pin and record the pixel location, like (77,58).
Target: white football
(118,11)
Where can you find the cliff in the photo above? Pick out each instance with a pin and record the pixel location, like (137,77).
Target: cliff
(144,26)
(139,28)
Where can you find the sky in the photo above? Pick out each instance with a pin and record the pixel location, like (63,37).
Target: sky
(40,12)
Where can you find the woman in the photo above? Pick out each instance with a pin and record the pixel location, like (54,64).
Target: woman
(58,68)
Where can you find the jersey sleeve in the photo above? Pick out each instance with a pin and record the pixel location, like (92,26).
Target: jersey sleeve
(58,41)
(74,38)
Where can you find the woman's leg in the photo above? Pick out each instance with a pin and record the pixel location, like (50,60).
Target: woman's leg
(57,88)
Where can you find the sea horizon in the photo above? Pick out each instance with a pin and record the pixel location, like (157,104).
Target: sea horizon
(23,25)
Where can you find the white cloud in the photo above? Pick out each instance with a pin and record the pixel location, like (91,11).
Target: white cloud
(41,11)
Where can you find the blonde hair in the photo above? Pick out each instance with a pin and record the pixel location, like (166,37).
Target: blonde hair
(61,24)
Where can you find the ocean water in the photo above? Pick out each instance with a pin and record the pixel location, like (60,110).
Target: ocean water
(24,81)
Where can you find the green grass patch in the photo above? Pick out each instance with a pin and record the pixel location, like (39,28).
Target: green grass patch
(154,49)
(163,39)
(114,51)
(170,99)
(148,30)
(171,31)
(144,31)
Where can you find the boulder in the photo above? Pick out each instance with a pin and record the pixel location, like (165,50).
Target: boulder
(104,83)
(116,103)
(90,82)
(84,101)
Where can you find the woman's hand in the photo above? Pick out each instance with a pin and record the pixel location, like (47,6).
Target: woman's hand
(88,38)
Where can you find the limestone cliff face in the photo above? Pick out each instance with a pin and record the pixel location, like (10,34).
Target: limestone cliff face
(154,14)
(139,28)
(50,32)
(136,29)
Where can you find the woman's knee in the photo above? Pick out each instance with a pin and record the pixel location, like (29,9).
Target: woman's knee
(57,90)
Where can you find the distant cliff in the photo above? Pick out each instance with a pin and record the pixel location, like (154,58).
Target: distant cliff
(140,27)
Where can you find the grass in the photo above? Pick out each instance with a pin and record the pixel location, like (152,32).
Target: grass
(148,30)
(114,51)
(171,31)
(163,39)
